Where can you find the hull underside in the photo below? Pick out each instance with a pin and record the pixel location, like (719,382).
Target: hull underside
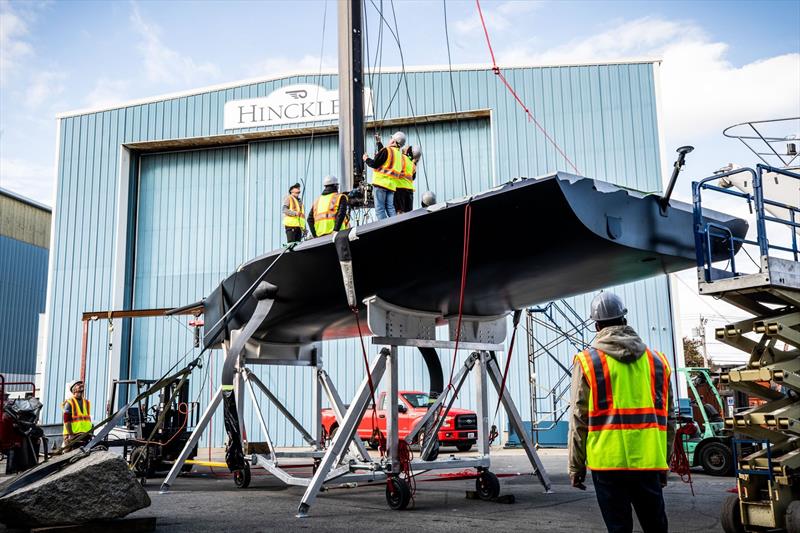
(531,241)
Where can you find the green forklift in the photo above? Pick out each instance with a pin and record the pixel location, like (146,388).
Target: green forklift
(710,447)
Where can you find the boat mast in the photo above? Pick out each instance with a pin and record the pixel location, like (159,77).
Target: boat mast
(351,94)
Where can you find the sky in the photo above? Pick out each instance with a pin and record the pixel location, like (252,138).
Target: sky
(723,62)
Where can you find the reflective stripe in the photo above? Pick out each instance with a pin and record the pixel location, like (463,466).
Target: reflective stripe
(603,399)
(657,372)
(627,421)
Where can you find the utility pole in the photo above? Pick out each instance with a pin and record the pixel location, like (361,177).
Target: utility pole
(351,94)
(702,328)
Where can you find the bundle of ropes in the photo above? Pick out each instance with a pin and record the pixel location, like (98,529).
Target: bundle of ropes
(679,461)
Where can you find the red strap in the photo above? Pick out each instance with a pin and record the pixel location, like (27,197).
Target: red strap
(499,74)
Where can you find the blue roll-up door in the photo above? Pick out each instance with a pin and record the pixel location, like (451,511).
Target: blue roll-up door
(202,213)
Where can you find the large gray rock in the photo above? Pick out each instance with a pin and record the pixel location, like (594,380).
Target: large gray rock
(99,486)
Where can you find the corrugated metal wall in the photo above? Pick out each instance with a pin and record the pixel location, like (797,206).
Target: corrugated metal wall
(24,243)
(604,117)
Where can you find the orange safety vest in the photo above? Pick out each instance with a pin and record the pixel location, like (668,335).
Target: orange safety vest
(627,411)
(298,221)
(325,209)
(81,416)
(392,170)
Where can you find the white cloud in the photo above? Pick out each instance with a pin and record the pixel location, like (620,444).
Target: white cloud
(107,92)
(31,179)
(500,17)
(13,46)
(280,65)
(164,65)
(702,91)
(44,87)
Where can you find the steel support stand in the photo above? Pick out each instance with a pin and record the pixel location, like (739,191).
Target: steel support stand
(345,434)
(515,420)
(192,442)
(392,430)
(282,408)
(357,446)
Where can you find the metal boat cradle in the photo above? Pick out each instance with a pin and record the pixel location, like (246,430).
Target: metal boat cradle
(403,276)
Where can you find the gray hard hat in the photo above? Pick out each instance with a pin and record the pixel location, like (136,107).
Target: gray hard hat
(399,138)
(416,151)
(428,199)
(607,306)
(329,180)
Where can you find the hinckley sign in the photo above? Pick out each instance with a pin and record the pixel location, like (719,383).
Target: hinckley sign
(287,105)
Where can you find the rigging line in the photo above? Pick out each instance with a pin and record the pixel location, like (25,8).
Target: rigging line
(379,56)
(453,94)
(310,145)
(723,317)
(396,34)
(370,75)
(528,112)
(404,78)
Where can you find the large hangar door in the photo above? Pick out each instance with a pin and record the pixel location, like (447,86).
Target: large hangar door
(190,234)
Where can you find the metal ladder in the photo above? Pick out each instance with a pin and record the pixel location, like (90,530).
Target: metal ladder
(561,318)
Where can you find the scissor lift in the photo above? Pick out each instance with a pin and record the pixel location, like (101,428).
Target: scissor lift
(768,479)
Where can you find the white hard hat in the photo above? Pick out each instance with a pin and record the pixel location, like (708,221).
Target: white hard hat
(607,306)
(70,385)
(399,138)
(329,180)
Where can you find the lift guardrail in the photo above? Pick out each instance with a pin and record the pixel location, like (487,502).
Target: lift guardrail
(707,232)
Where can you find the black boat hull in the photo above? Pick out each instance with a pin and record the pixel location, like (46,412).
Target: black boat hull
(531,241)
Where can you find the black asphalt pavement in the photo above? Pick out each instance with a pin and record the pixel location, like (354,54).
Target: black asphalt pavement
(209,501)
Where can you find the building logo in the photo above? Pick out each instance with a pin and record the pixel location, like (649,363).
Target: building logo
(287,105)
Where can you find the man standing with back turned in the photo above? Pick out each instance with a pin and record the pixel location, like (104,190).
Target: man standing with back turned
(622,421)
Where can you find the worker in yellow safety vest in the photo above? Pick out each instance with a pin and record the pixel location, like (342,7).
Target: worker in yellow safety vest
(330,210)
(388,165)
(294,215)
(622,421)
(404,192)
(77,413)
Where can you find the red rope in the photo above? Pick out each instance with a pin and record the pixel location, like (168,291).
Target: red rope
(505,371)
(679,461)
(464,269)
(500,75)
(376,433)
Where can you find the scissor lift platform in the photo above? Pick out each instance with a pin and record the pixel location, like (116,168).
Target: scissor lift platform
(768,479)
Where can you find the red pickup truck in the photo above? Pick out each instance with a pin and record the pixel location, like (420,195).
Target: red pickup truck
(460,428)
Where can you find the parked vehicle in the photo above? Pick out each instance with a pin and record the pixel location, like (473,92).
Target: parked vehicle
(21,437)
(711,448)
(459,429)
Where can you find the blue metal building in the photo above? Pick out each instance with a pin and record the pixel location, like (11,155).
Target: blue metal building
(158,200)
(24,244)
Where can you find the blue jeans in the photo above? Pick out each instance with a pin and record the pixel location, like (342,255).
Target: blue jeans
(384,203)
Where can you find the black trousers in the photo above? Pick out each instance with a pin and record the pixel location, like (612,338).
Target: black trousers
(617,491)
(293,234)
(404,200)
